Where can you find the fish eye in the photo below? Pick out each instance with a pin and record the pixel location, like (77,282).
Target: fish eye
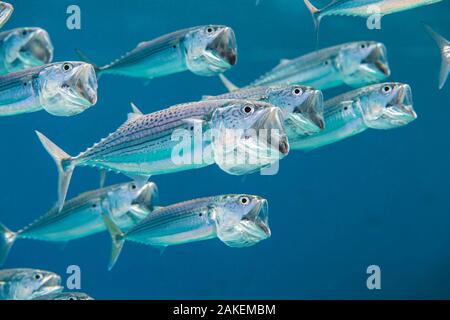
(37,276)
(133,186)
(67,67)
(24,32)
(387,89)
(297,91)
(94,205)
(209,30)
(248,109)
(244,200)
(363,46)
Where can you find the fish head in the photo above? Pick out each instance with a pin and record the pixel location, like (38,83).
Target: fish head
(247,136)
(6,11)
(68,88)
(388,105)
(210,50)
(28,284)
(241,220)
(129,203)
(302,105)
(27,48)
(363,63)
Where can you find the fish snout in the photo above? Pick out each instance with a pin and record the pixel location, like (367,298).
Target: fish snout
(86,85)
(224,45)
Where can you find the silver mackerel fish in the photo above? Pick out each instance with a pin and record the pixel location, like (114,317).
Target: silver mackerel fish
(379,106)
(61,89)
(27,284)
(126,204)
(204,50)
(24,48)
(302,106)
(145,144)
(355,64)
(444,47)
(237,220)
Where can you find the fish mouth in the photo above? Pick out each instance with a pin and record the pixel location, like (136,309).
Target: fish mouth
(272,121)
(251,229)
(308,117)
(398,112)
(6,11)
(86,84)
(222,50)
(147,195)
(376,62)
(50,284)
(37,48)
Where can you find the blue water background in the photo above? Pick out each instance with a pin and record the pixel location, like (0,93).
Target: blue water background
(380,198)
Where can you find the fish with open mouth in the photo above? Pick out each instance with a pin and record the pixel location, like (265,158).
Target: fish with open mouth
(24,48)
(61,89)
(65,296)
(379,106)
(27,284)
(147,145)
(302,106)
(237,220)
(355,64)
(126,204)
(444,46)
(363,8)
(6,11)
(204,50)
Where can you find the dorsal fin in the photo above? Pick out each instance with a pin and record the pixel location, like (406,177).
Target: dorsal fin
(135,114)
(284,61)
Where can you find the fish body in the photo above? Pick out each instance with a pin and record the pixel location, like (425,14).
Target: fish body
(203,50)
(146,144)
(24,48)
(6,11)
(301,105)
(237,220)
(61,89)
(65,296)
(82,215)
(355,64)
(362,8)
(444,46)
(380,106)
(27,284)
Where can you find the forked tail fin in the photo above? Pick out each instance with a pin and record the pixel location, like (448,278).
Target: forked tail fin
(442,43)
(63,163)
(7,239)
(315,13)
(117,240)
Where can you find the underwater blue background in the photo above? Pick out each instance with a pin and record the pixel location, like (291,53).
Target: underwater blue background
(382,197)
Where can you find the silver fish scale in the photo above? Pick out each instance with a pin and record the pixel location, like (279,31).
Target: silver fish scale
(149,127)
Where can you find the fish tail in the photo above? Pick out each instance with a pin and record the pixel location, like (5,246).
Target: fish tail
(64,164)
(7,239)
(441,42)
(85,58)
(227,83)
(117,237)
(315,13)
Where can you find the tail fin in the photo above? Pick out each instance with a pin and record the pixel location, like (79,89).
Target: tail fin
(7,238)
(64,164)
(228,84)
(85,58)
(316,17)
(117,240)
(441,42)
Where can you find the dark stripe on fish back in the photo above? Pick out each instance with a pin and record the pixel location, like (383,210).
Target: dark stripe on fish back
(149,48)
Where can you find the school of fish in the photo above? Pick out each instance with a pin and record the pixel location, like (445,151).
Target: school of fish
(285,109)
